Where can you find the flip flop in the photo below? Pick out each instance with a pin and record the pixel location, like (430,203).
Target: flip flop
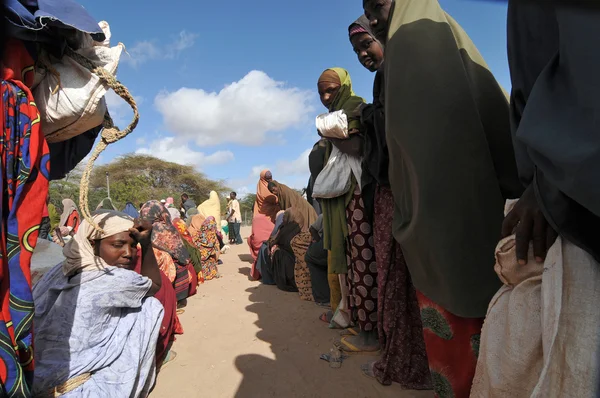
(351,349)
(326,316)
(171,355)
(180,311)
(350,332)
(367,370)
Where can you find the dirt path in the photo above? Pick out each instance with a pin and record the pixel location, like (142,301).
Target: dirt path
(245,340)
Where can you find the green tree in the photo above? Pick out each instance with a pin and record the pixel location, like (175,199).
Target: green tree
(137,178)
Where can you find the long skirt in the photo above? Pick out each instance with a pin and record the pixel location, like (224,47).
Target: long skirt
(452,344)
(362,269)
(282,269)
(404,359)
(316,260)
(300,245)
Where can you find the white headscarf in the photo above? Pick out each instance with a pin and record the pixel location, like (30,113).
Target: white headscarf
(79,252)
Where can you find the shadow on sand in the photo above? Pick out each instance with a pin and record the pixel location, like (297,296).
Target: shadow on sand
(297,339)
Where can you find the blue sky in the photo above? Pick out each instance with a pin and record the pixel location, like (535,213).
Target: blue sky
(230,86)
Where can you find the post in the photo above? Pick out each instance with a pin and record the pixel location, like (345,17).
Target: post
(107,185)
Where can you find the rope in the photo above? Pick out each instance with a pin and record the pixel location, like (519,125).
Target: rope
(110,134)
(65,387)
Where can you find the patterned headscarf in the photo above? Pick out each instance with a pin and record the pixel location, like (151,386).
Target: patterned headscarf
(164,234)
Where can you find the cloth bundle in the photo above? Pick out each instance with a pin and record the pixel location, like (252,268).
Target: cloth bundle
(333,124)
(70,96)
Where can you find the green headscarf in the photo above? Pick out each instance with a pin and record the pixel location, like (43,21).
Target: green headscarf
(346,99)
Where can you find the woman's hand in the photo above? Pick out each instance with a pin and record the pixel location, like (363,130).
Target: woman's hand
(528,223)
(142,232)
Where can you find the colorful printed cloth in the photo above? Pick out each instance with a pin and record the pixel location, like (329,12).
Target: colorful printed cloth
(403,359)
(165,237)
(206,241)
(452,346)
(300,245)
(362,267)
(24,178)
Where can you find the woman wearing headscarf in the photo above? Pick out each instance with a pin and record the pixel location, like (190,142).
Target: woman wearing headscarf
(131,211)
(452,166)
(347,231)
(207,243)
(403,359)
(265,211)
(170,206)
(70,216)
(166,238)
(211,207)
(266,203)
(263,262)
(190,245)
(289,198)
(283,261)
(96,321)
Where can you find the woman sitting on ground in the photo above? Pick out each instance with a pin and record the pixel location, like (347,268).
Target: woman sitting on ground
(208,244)
(97,323)
(166,238)
(289,198)
(283,260)
(189,244)
(263,262)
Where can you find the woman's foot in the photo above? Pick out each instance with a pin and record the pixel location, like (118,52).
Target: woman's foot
(181,304)
(368,369)
(323,305)
(326,316)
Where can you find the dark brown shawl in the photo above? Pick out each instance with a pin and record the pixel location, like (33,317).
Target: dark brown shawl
(289,198)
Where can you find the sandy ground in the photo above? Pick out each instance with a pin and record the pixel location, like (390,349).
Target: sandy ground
(243,339)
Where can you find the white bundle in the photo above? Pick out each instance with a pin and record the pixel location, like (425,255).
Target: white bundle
(333,124)
(70,98)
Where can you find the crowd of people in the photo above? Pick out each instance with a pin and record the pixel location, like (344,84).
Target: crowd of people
(414,196)
(93,314)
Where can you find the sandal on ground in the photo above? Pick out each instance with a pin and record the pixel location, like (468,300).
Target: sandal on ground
(326,316)
(353,331)
(180,311)
(367,370)
(351,349)
(171,355)
(323,305)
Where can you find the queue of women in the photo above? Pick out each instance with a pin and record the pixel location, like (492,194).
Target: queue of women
(114,300)
(411,192)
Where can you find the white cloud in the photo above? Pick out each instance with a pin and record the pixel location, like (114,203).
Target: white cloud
(296,167)
(144,51)
(178,152)
(245,112)
(140,141)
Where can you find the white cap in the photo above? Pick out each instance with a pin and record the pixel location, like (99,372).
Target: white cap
(163,201)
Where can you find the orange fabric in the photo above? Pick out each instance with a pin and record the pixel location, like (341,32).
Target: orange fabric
(266,202)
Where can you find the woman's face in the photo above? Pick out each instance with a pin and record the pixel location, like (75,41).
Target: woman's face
(378,13)
(119,250)
(327,93)
(368,50)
